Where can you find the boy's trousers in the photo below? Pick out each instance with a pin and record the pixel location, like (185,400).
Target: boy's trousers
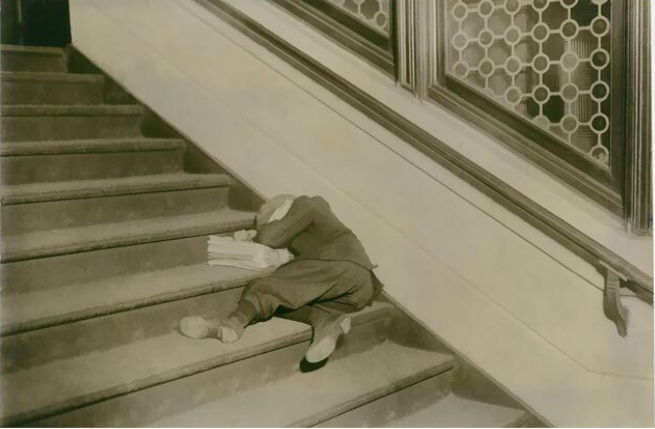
(310,291)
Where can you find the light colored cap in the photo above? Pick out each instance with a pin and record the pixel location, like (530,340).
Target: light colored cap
(268,208)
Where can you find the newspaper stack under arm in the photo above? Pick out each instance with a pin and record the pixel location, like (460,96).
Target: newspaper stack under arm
(226,251)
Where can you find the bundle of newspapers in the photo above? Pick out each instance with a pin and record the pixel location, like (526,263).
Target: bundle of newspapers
(226,251)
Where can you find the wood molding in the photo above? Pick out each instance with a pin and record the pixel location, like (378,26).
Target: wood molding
(405,61)
(536,215)
(412,42)
(638,121)
(381,55)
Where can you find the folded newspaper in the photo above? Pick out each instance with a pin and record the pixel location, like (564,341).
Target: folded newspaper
(226,251)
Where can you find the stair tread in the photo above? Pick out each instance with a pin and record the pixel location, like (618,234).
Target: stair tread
(12,76)
(54,191)
(59,147)
(453,411)
(79,239)
(68,383)
(32,310)
(45,50)
(305,399)
(71,110)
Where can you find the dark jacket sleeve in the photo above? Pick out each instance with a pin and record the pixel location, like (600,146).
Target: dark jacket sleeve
(279,233)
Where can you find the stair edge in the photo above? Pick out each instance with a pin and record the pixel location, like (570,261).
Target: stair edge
(35,76)
(13,196)
(87,146)
(41,50)
(63,110)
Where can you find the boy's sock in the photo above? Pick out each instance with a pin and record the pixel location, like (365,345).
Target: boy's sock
(228,330)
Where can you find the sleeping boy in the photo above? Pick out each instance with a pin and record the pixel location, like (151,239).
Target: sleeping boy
(330,276)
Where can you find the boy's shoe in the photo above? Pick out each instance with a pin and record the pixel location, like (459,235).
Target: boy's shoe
(228,330)
(325,339)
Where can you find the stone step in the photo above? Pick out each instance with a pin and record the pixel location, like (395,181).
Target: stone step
(66,160)
(87,254)
(40,206)
(456,412)
(396,405)
(57,122)
(48,307)
(429,403)
(68,384)
(41,244)
(51,88)
(53,324)
(45,273)
(304,400)
(31,58)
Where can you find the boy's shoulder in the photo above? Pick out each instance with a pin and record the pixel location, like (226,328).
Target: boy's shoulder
(314,201)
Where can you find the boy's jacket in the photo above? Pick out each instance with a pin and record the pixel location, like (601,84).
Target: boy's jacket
(312,231)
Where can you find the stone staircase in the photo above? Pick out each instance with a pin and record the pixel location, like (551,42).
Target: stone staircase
(103,249)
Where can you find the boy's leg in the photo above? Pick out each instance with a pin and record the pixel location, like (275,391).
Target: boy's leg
(330,320)
(345,285)
(320,313)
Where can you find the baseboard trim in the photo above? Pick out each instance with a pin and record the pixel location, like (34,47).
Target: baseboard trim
(536,215)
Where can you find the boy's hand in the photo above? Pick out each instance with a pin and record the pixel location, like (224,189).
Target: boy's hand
(244,235)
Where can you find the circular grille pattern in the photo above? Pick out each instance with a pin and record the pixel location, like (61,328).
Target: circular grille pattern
(373,13)
(546,61)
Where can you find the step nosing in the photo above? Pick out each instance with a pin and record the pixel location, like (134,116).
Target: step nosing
(183,371)
(38,50)
(109,189)
(70,147)
(34,76)
(55,110)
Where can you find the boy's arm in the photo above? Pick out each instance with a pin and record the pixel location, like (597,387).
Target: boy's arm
(279,233)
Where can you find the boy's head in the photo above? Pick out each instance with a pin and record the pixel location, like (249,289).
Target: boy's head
(282,201)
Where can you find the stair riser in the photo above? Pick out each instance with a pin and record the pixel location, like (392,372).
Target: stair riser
(36,347)
(32,128)
(147,405)
(28,61)
(88,211)
(62,270)
(64,167)
(382,412)
(31,92)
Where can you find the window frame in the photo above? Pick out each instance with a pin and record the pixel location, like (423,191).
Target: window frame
(375,47)
(621,188)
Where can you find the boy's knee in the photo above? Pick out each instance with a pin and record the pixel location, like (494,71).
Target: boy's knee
(362,296)
(257,286)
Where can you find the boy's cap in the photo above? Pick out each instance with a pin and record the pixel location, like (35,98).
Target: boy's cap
(268,208)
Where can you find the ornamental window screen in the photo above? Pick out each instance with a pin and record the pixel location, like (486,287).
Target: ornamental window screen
(546,77)
(373,13)
(546,61)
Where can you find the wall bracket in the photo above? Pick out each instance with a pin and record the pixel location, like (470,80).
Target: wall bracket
(612,306)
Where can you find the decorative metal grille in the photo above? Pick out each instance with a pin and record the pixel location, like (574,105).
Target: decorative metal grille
(373,13)
(546,61)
